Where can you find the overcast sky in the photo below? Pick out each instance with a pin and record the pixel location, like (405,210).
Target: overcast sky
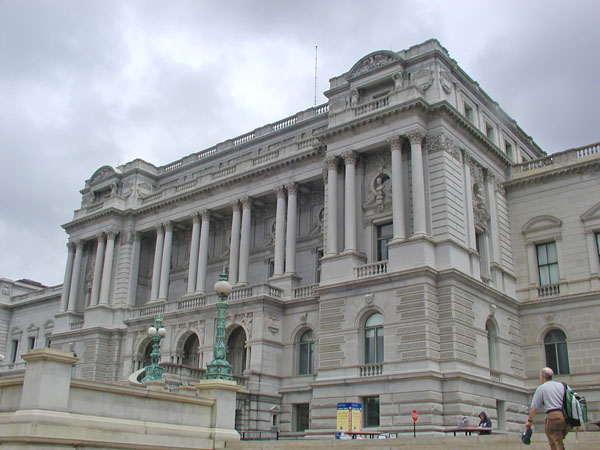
(89,83)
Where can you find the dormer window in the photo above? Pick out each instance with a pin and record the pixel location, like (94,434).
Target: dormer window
(468,112)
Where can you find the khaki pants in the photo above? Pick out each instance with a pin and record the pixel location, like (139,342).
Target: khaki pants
(556,430)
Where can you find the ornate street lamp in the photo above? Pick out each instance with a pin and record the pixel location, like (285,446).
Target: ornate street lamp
(156,332)
(219,367)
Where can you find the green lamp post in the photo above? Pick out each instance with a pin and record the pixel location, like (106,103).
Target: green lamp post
(156,332)
(219,367)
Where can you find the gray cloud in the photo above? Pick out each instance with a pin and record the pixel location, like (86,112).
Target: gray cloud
(84,84)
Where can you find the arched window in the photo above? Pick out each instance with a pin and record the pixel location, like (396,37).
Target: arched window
(190,351)
(147,357)
(306,353)
(557,356)
(374,339)
(236,351)
(492,336)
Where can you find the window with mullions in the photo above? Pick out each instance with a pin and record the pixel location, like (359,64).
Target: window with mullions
(557,355)
(371,411)
(547,263)
(374,339)
(385,233)
(306,353)
(302,416)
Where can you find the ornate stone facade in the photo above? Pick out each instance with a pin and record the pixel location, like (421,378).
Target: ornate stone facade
(385,212)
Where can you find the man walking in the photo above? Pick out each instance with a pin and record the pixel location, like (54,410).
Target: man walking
(550,395)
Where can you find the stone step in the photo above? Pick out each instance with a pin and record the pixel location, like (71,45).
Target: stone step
(583,441)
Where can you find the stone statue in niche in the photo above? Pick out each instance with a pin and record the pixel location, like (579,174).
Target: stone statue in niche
(479,206)
(353,97)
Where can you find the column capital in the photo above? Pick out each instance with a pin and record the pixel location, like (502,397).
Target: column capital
(70,246)
(395,142)
(205,214)
(292,188)
(331,162)
(415,136)
(100,235)
(246,202)
(79,244)
(168,226)
(111,234)
(159,228)
(279,191)
(195,217)
(350,157)
(235,205)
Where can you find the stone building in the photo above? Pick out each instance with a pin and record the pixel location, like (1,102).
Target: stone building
(404,246)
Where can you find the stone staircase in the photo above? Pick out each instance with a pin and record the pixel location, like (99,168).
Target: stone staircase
(583,441)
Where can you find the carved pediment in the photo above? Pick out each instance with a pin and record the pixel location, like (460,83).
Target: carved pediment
(103,173)
(371,62)
(541,223)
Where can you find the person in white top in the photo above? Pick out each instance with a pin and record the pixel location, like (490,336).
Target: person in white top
(550,394)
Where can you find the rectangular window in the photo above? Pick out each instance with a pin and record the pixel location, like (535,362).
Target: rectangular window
(271,267)
(468,113)
(508,149)
(14,349)
(385,233)
(302,416)
(489,131)
(371,411)
(318,265)
(30,343)
(547,263)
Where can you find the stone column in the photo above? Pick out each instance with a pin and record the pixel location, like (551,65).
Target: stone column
(203,257)
(245,240)
(332,225)
(234,243)
(292,212)
(397,189)
(350,201)
(107,269)
(74,290)
(193,268)
(279,231)
(95,296)
(418,181)
(64,298)
(135,269)
(158,251)
(165,268)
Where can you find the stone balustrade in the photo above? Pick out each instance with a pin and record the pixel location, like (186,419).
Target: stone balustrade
(548,290)
(370,370)
(372,269)
(304,291)
(371,106)
(557,159)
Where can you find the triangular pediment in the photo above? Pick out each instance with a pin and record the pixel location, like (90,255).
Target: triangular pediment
(592,213)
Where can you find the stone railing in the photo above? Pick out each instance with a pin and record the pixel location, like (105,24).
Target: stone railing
(312,142)
(243,139)
(191,303)
(152,197)
(285,123)
(184,372)
(173,165)
(304,291)
(77,325)
(548,290)
(206,153)
(265,158)
(323,109)
(255,291)
(566,157)
(369,270)
(495,375)
(370,370)
(223,173)
(371,106)
(43,293)
(186,185)
(151,310)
